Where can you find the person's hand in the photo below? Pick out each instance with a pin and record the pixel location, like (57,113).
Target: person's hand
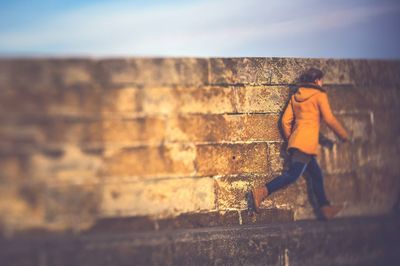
(348,138)
(324,141)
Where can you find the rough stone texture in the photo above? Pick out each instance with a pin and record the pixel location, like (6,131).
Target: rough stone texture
(126,100)
(129,130)
(363,98)
(197,220)
(270,215)
(48,130)
(225,159)
(187,99)
(171,159)
(387,126)
(118,224)
(231,190)
(154,71)
(75,132)
(358,125)
(262,99)
(346,241)
(287,70)
(278,158)
(219,128)
(69,165)
(194,99)
(158,197)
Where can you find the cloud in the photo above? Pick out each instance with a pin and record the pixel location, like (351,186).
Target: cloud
(194,28)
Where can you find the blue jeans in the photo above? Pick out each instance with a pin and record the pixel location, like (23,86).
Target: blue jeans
(296,169)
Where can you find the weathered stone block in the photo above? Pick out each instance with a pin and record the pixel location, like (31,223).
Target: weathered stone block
(125,100)
(364,191)
(217,128)
(148,223)
(348,98)
(49,86)
(43,130)
(344,188)
(372,72)
(75,101)
(240,70)
(387,126)
(378,186)
(201,99)
(79,100)
(46,74)
(287,70)
(127,131)
(198,220)
(161,198)
(263,99)
(382,154)
(358,125)
(154,71)
(277,156)
(339,159)
(231,190)
(225,159)
(65,165)
(363,98)
(166,160)
(122,224)
(194,71)
(268,216)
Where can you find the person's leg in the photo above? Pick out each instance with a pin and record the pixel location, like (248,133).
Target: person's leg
(317,182)
(295,170)
(298,165)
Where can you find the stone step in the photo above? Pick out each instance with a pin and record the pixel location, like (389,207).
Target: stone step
(373,240)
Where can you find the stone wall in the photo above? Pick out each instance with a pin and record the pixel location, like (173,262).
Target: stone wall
(83,140)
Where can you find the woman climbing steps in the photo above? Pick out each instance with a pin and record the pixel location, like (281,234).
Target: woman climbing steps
(300,123)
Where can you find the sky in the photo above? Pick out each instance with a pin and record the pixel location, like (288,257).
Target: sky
(208,28)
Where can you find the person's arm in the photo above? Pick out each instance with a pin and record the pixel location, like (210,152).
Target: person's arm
(330,119)
(287,120)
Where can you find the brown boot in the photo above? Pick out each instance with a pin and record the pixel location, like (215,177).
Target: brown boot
(330,211)
(259,194)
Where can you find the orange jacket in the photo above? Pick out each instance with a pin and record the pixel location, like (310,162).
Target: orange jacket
(301,119)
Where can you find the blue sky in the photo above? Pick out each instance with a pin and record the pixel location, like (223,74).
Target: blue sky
(208,28)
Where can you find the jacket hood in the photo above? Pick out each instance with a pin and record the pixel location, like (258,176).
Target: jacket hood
(306,90)
(310,85)
(304,94)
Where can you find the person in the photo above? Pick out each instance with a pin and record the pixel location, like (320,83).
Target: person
(300,123)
